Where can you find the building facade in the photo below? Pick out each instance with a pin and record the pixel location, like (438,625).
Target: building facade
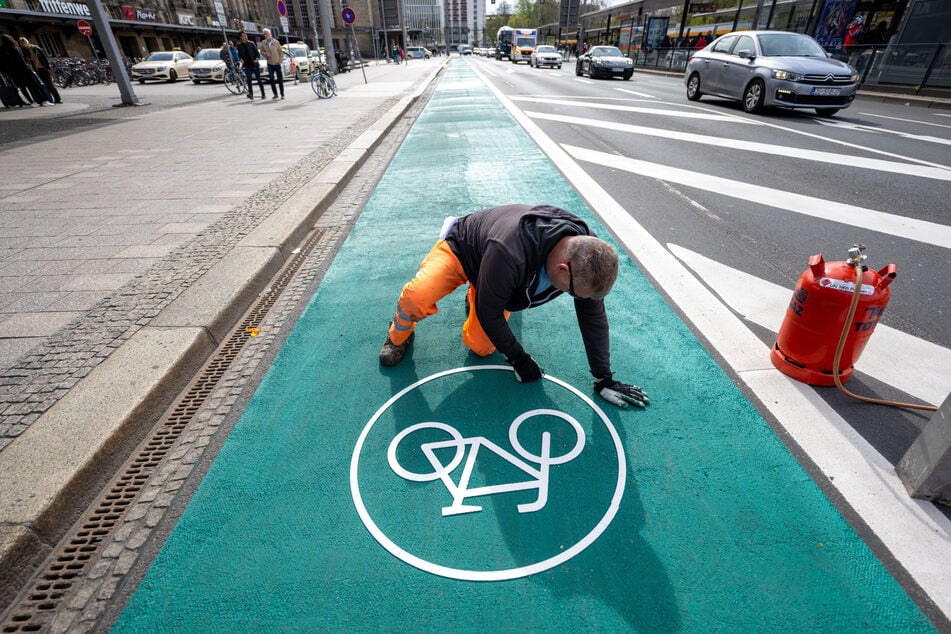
(162,25)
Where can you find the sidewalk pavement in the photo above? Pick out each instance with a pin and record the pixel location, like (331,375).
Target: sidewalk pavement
(129,251)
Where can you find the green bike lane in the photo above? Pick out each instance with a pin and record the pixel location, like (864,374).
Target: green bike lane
(443,495)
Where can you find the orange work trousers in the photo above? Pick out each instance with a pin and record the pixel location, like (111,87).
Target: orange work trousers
(439,274)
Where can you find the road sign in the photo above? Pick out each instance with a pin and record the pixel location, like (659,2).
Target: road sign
(282,8)
(348,15)
(84,27)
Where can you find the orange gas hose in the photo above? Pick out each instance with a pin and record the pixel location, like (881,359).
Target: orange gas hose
(838,352)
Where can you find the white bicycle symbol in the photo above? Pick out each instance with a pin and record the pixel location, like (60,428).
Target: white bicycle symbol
(460,491)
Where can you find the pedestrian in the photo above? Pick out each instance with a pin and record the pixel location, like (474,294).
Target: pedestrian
(402,55)
(516,257)
(41,64)
(225,55)
(14,66)
(394,55)
(248,54)
(234,52)
(273,54)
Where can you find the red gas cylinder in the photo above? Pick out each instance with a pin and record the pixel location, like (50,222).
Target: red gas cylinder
(805,346)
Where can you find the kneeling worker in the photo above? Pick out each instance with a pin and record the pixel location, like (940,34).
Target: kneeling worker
(515,257)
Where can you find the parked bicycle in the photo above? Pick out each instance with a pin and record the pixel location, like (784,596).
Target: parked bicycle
(322,81)
(79,72)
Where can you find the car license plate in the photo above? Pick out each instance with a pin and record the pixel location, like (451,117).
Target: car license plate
(826,92)
(618,70)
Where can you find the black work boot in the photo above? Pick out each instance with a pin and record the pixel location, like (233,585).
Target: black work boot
(391,354)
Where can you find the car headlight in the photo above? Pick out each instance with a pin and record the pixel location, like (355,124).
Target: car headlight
(854,78)
(218,67)
(161,68)
(596,60)
(785,74)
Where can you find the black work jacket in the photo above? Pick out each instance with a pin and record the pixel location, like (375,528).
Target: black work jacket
(502,251)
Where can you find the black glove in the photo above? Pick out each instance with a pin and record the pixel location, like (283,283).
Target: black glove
(526,370)
(621,394)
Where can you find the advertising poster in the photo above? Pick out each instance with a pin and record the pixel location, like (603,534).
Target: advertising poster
(656,32)
(830,30)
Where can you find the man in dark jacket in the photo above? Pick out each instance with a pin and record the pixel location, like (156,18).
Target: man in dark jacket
(248,54)
(515,257)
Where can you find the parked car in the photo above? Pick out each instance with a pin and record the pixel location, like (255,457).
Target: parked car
(207,66)
(301,54)
(162,65)
(604,61)
(418,52)
(761,69)
(464,49)
(545,55)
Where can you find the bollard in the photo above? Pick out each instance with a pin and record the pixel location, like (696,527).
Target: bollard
(925,469)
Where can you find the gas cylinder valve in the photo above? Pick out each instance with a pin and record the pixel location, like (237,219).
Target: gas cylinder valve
(856,254)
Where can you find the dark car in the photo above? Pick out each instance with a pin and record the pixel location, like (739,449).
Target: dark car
(604,61)
(771,68)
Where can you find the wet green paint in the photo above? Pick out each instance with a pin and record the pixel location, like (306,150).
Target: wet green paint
(718,528)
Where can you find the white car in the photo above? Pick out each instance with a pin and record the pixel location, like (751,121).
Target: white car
(545,55)
(301,54)
(418,52)
(164,65)
(207,66)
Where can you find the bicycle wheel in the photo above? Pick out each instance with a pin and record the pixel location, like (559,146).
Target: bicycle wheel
(323,86)
(235,83)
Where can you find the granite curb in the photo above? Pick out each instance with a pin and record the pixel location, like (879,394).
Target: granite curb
(55,464)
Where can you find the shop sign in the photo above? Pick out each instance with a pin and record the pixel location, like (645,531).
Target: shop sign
(66,8)
(703,7)
(186,19)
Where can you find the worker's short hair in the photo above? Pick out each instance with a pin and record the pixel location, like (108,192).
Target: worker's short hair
(594,263)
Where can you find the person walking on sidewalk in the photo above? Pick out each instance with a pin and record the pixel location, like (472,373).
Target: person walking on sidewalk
(41,64)
(273,54)
(516,257)
(14,66)
(248,54)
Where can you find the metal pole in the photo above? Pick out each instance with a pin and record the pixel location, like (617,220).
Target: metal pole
(399,7)
(313,25)
(326,20)
(108,40)
(736,18)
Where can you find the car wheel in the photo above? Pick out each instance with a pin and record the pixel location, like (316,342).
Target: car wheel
(628,77)
(826,112)
(558,66)
(141,81)
(753,96)
(172,76)
(578,69)
(196,81)
(693,88)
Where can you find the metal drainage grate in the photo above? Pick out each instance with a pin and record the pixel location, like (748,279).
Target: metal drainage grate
(37,607)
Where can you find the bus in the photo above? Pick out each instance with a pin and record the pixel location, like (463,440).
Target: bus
(503,43)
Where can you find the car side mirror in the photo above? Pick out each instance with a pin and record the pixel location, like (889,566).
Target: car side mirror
(745,54)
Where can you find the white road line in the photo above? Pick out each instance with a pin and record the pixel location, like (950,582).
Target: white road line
(638,94)
(873,130)
(881,116)
(892,167)
(916,367)
(912,531)
(659,111)
(901,226)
